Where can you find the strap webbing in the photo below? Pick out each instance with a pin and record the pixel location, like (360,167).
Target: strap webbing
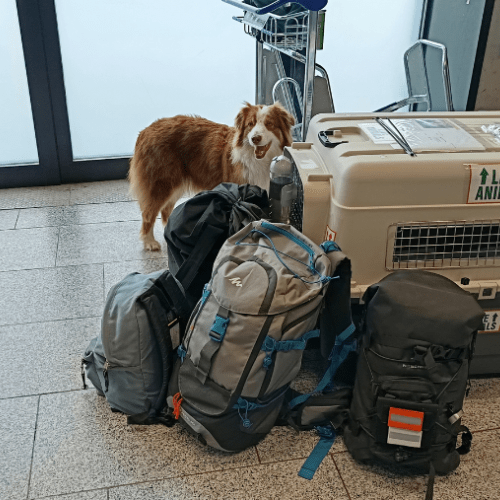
(270,345)
(466,440)
(216,335)
(320,451)
(429,495)
(209,235)
(339,353)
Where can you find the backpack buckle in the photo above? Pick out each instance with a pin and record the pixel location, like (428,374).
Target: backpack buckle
(419,353)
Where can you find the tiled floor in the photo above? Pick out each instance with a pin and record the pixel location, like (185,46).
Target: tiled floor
(61,249)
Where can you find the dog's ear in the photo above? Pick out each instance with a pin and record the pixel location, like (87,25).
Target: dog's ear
(241,117)
(241,121)
(286,116)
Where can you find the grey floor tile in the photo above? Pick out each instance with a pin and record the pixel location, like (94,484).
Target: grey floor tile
(82,495)
(50,294)
(41,358)
(376,483)
(81,445)
(78,214)
(100,192)
(110,242)
(8,219)
(285,443)
(116,271)
(17,430)
(277,481)
(28,248)
(44,196)
(482,406)
(478,476)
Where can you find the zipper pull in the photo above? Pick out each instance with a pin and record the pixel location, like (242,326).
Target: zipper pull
(105,373)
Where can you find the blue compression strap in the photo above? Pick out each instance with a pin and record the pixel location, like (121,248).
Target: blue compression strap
(181,352)
(330,246)
(270,345)
(339,353)
(219,327)
(311,465)
(206,293)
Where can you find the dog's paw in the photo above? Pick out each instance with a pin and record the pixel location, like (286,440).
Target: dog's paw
(152,245)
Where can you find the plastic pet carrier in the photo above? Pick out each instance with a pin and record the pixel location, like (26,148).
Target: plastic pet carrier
(407,191)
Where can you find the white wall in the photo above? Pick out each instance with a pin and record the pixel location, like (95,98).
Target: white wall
(127,63)
(363,50)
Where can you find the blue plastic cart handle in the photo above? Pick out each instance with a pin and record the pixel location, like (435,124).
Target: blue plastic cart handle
(314,5)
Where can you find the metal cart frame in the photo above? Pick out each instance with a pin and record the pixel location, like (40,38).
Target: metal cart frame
(295,36)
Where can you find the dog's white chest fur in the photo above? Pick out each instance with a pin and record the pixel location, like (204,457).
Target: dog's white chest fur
(256,172)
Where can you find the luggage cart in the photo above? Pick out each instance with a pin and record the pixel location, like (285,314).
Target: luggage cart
(286,58)
(419,93)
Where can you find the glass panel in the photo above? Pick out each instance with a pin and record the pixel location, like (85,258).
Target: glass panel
(363,54)
(127,63)
(17,132)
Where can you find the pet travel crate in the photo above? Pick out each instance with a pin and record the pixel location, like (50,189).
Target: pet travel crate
(425,195)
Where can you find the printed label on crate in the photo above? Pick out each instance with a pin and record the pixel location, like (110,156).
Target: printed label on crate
(484,184)
(330,235)
(491,321)
(432,134)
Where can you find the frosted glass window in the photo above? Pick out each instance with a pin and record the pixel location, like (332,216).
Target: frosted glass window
(127,63)
(17,132)
(364,46)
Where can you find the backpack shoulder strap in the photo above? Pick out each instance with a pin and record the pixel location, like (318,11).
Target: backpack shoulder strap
(208,237)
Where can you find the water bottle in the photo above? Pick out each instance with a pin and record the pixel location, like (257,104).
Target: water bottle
(282,189)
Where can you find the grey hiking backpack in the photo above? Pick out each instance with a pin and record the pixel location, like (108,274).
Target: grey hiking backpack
(418,340)
(244,343)
(130,362)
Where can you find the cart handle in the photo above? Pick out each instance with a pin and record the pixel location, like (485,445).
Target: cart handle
(313,5)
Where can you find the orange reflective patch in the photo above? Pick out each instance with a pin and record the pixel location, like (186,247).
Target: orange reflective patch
(406,419)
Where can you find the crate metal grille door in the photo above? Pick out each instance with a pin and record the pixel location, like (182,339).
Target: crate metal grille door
(443,244)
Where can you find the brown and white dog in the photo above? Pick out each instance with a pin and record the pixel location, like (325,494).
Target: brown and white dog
(189,153)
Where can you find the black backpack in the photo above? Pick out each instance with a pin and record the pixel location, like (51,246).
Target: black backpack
(418,340)
(198,228)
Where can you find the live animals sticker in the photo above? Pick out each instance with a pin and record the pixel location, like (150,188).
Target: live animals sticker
(329,234)
(484,184)
(491,321)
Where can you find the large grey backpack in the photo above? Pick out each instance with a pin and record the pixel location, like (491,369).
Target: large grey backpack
(244,344)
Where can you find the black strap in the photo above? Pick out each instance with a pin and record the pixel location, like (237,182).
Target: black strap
(466,440)
(147,419)
(429,495)
(209,235)
(162,336)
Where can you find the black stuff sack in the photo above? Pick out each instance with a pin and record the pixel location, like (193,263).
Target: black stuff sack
(197,229)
